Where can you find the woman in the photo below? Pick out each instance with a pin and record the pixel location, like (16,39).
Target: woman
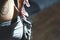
(13,21)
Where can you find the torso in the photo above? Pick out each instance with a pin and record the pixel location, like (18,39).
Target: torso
(9,12)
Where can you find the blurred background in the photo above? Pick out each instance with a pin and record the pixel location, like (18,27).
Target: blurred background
(45,17)
(39,5)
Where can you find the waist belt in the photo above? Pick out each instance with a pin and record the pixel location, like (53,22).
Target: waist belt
(8,23)
(5,23)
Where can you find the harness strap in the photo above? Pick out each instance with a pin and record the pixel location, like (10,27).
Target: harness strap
(21,9)
(15,1)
